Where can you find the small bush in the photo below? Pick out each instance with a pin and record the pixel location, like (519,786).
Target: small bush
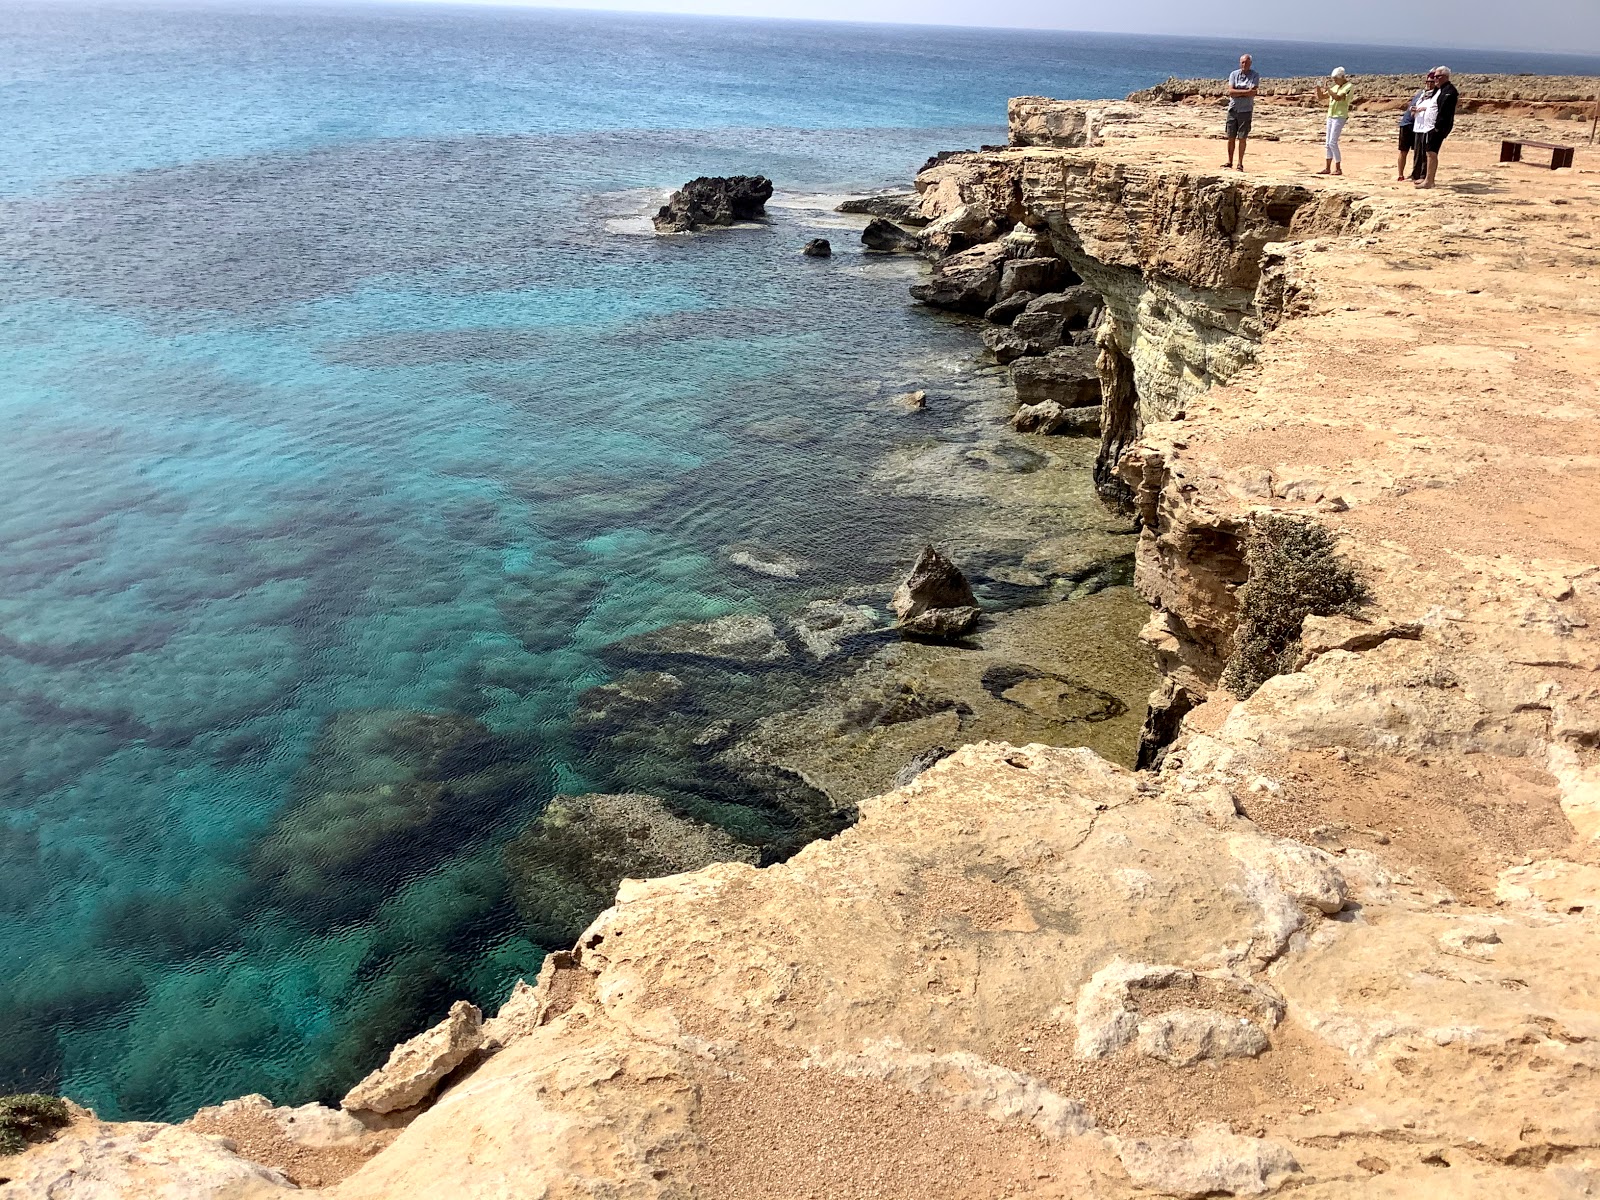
(26,1116)
(1293,574)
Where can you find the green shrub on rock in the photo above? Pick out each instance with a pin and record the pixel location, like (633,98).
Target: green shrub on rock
(25,1116)
(1294,574)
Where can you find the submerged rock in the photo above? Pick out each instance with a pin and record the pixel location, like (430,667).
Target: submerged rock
(825,626)
(885,237)
(776,564)
(714,201)
(818,248)
(935,600)
(416,1067)
(566,866)
(741,640)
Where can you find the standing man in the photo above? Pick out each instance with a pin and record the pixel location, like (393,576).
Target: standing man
(1447,99)
(1242,87)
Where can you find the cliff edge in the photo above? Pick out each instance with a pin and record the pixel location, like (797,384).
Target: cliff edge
(1339,939)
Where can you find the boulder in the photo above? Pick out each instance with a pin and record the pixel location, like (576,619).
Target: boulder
(818,248)
(967,282)
(1068,375)
(1037,275)
(1051,418)
(915,401)
(1044,329)
(714,201)
(1009,309)
(903,207)
(885,237)
(960,229)
(935,600)
(1007,345)
(416,1067)
(1077,304)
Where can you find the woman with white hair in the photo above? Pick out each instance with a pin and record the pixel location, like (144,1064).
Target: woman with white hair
(1337,93)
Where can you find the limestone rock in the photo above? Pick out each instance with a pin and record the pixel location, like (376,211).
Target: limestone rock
(1077,305)
(1009,309)
(1037,275)
(709,201)
(314,1125)
(935,600)
(136,1161)
(1007,345)
(1070,376)
(826,627)
(959,229)
(965,282)
(904,208)
(885,237)
(416,1067)
(1185,1036)
(1213,1162)
(517,1016)
(761,560)
(818,248)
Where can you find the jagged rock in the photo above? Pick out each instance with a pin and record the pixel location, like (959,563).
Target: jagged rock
(714,201)
(935,600)
(885,237)
(1007,345)
(517,1017)
(1048,417)
(905,208)
(416,1067)
(965,282)
(742,639)
(920,763)
(1036,275)
(1069,375)
(137,1161)
(818,248)
(566,865)
(1212,1162)
(1009,309)
(915,401)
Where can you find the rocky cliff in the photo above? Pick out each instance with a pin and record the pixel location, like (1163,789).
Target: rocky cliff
(1341,940)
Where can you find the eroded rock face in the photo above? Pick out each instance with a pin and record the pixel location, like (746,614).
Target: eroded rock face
(416,1067)
(965,282)
(935,600)
(710,201)
(137,1161)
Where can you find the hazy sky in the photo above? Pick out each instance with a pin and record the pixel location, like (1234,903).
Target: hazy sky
(1571,26)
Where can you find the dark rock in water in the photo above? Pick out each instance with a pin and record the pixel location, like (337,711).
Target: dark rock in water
(740,640)
(714,201)
(904,207)
(818,248)
(1076,304)
(1068,375)
(966,282)
(885,237)
(1036,275)
(935,600)
(920,763)
(1009,309)
(630,697)
(566,866)
(376,781)
(1051,418)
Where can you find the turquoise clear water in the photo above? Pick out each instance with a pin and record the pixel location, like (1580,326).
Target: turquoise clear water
(336,376)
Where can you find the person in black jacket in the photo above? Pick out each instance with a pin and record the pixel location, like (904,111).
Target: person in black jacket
(1448,99)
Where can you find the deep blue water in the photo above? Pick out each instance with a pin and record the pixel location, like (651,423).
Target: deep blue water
(338,384)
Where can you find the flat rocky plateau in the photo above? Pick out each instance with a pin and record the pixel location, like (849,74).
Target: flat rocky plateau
(1342,942)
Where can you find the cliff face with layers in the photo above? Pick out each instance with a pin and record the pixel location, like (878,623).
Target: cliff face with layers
(1341,943)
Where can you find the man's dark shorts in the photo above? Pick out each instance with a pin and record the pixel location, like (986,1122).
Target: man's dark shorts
(1408,138)
(1238,124)
(1435,140)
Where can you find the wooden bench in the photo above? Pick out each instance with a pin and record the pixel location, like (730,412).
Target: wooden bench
(1560,156)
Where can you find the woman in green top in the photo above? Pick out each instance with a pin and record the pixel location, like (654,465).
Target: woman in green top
(1337,93)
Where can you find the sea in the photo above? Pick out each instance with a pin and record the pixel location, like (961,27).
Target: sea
(352,422)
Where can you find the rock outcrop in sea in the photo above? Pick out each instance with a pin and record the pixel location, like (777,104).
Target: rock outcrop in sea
(1337,939)
(710,201)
